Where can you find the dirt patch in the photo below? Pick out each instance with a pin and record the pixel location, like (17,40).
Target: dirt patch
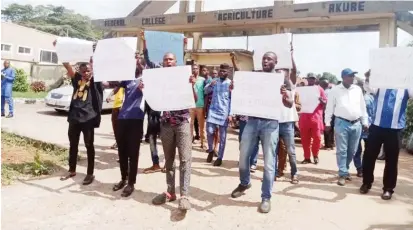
(15,154)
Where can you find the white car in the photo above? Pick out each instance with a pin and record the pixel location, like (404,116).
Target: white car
(60,98)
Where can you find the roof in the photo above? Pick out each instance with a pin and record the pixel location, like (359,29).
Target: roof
(28,28)
(219,51)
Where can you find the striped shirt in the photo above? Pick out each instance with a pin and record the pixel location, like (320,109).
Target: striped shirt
(390,107)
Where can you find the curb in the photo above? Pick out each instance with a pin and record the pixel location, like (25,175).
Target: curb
(28,100)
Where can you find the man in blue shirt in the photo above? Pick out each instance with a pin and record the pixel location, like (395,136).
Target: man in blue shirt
(129,133)
(218,114)
(370,104)
(388,121)
(8,75)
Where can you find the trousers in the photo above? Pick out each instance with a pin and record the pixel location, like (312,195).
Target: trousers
(9,101)
(88,131)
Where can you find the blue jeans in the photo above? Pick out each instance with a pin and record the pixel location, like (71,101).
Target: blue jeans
(9,101)
(287,134)
(154,148)
(267,131)
(254,157)
(347,139)
(222,138)
(357,157)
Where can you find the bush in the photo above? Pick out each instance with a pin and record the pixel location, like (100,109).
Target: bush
(409,120)
(38,86)
(20,82)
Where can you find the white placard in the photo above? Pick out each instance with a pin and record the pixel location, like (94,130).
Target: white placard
(114,59)
(73,50)
(391,68)
(168,89)
(280,44)
(257,94)
(309,98)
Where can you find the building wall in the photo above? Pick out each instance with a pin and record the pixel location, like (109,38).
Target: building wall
(16,36)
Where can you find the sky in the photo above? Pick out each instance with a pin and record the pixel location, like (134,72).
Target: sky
(315,53)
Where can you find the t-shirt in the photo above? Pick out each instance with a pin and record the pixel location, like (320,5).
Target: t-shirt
(132,107)
(81,107)
(118,98)
(199,90)
(289,114)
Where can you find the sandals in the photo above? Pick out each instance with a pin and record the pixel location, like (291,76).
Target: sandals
(68,176)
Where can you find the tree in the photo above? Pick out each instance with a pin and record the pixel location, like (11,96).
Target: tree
(52,19)
(329,76)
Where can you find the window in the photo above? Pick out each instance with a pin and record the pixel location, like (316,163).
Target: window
(24,50)
(48,56)
(5,47)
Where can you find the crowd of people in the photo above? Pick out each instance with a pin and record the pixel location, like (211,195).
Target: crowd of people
(347,113)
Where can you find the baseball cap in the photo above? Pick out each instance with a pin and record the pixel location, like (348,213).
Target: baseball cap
(347,72)
(311,75)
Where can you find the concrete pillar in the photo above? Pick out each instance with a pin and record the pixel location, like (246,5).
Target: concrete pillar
(183,6)
(197,44)
(277,29)
(388,33)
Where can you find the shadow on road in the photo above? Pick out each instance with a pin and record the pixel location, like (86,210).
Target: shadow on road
(52,113)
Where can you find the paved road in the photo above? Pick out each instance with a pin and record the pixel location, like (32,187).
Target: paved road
(317,201)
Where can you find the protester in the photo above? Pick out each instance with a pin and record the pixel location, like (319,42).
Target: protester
(208,99)
(388,122)
(176,133)
(328,135)
(154,129)
(219,113)
(370,104)
(311,126)
(117,104)
(286,145)
(346,103)
(8,74)
(198,111)
(267,131)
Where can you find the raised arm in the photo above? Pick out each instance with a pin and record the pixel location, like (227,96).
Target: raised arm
(68,67)
(234,65)
(148,61)
(366,84)
(293,72)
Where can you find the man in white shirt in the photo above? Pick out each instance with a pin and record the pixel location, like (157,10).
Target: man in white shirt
(346,103)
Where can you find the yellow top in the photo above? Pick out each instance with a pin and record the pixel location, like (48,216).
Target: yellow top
(118,99)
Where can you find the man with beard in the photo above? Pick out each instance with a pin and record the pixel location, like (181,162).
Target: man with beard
(218,114)
(265,130)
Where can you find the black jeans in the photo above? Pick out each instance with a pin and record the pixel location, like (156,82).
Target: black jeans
(390,138)
(196,127)
(88,131)
(329,136)
(129,134)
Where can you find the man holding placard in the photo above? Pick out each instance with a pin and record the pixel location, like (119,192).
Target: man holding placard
(346,103)
(387,123)
(84,116)
(311,124)
(265,130)
(176,133)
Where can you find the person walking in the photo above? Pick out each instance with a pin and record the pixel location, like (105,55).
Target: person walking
(118,94)
(387,124)
(346,103)
(8,74)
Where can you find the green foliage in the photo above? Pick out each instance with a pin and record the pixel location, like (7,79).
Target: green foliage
(38,86)
(20,82)
(329,76)
(409,120)
(52,19)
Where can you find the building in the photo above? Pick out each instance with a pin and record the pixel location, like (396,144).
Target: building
(31,50)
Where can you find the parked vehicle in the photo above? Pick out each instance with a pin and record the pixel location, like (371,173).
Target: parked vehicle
(60,98)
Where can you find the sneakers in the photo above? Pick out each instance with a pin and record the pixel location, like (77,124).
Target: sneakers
(386,195)
(265,206)
(155,168)
(163,198)
(239,191)
(253,168)
(316,160)
(184,204)
(210,157)
(306,161)
(342,181)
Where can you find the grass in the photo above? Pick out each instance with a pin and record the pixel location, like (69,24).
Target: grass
(24,158)
(29,94)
